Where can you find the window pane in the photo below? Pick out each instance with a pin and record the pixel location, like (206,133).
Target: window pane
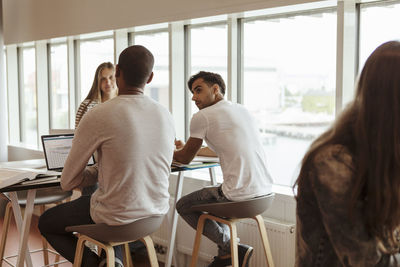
(28,98)
(158,44)
(376,27)
(92,54)
(209,51)
(59,87)
(289,85)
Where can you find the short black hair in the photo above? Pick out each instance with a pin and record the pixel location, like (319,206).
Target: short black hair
(137,63)
(210,78)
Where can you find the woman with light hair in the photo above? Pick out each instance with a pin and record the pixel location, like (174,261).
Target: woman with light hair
(103,89)
(348,194)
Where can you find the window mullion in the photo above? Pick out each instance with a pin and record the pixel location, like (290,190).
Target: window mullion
(42,90)
(177,77)
(345,53)
(233,45)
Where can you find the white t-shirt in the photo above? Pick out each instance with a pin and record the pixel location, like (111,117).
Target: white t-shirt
(134,138)
(230,131)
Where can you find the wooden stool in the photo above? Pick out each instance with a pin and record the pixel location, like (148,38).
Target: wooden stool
(107,236)
(44,196)
(229,213)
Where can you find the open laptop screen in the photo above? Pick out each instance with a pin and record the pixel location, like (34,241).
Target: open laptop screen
(56,148)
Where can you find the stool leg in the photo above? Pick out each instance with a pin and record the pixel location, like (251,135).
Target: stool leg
(110,256)
(128,258)
(99,250)
(44,242)
(197,240)
(57,258)
(264,238)
(6,224)
(234,245)
(79,251)
(150,250)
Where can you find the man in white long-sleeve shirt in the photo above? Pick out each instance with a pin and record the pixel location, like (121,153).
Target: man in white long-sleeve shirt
(133,136)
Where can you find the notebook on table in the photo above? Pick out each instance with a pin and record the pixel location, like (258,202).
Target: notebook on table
(56,148)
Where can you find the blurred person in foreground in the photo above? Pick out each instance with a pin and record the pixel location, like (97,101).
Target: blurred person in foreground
(348,190)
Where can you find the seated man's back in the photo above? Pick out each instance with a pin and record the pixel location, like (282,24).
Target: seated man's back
(134,136)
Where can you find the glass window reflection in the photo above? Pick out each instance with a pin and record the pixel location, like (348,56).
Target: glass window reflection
(92,54)
(289,85)
(158,44)
(28,101)
(59,87)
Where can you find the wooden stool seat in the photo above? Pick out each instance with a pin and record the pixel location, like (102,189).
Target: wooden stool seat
(44,196)
(108,236)
(229,213)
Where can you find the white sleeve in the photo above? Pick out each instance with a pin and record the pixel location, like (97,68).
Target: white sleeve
(198,126)
(84,144)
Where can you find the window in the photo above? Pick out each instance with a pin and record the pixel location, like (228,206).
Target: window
(92,54)
(289,84)
(58,91)
(158,44)
(208,51)
(377,25)
(28,101)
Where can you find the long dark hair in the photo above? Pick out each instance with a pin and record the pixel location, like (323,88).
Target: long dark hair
(370,129)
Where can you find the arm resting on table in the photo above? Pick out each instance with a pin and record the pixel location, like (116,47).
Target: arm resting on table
(189,151)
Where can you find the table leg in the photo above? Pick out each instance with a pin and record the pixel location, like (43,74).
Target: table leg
(213,178)
(23,226)
(174,221)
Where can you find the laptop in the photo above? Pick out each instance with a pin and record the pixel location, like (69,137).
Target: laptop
(56,148)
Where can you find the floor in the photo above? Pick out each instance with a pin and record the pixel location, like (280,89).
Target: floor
(35,242)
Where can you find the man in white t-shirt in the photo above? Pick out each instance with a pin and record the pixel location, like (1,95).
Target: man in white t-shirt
(230,131)
(133,136)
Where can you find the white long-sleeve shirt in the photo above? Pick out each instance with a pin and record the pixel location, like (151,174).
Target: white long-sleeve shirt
(134,139)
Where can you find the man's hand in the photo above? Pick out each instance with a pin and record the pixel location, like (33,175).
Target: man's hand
(179,144)
(90,174)
(188,151)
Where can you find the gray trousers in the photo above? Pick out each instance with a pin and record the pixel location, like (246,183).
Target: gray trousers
(217,232)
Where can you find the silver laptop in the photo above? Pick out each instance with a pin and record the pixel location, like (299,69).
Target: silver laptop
(56,148)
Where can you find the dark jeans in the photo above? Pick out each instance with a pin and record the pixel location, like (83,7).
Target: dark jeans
(52,225)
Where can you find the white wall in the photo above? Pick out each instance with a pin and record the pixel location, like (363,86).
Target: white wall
(29,20)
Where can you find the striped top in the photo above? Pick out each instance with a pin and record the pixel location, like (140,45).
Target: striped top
(84,107)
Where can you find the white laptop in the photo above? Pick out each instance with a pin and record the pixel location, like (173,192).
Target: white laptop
(56,148)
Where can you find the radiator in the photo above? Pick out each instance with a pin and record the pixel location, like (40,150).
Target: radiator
(281,237)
